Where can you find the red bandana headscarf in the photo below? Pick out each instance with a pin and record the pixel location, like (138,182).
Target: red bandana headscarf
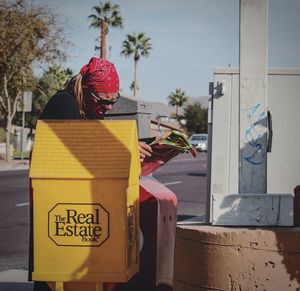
(100,75)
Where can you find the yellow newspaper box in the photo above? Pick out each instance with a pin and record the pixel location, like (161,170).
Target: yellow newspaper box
(85,191)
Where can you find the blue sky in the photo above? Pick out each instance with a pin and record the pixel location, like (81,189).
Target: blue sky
(189,39)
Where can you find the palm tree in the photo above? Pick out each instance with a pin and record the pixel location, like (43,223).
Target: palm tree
(137,45)
(106,15)
(177,99)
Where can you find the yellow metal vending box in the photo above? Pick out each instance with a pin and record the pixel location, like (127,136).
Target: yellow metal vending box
(85,191)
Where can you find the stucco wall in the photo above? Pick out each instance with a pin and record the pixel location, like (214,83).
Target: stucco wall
(219,258)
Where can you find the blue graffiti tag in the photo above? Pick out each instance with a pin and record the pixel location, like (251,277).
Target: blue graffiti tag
(253,137)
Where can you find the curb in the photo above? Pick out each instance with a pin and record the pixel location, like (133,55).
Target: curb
(15,280)
(14,167)
(14,276)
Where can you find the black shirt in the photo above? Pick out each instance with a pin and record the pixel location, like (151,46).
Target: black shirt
(62,105)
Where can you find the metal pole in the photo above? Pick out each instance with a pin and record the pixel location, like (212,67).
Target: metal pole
(22,132)
(208,215)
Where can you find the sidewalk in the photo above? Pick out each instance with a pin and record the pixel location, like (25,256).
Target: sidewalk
(15,280)
(14,165)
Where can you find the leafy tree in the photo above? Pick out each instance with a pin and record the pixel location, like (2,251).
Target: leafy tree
(139,46)
(177,99)
(51,81)
(2,135)
(28,34)
(106,15)
(46,86)
(196,118)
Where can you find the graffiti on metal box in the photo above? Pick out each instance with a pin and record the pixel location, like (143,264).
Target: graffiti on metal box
(253,138)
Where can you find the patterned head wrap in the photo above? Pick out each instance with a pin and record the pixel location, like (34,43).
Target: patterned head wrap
(100,75)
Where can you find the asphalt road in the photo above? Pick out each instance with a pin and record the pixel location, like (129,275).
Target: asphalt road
(13,220)
(184,176)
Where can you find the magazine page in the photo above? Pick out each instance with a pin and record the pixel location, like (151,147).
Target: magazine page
(164,149)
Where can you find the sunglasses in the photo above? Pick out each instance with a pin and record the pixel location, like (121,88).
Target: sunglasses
(103,101)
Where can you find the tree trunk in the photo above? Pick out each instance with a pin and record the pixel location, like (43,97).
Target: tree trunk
(7,135)
(176,111)
(135,79)
(103,41)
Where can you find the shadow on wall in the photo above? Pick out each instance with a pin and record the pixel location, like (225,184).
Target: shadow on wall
(254,154)
(289,242)
(235,209)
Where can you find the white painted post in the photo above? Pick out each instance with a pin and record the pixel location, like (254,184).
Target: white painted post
(253,96)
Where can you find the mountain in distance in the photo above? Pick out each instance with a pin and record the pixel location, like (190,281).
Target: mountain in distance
(162,109)
(127,104)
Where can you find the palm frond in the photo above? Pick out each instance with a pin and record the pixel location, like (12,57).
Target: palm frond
(137,45)
(105,13)
(177,98)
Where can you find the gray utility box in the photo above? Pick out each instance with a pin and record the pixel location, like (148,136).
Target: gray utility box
(129,108)
(283,161)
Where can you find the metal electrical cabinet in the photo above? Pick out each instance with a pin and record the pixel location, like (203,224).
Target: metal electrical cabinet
(133,109)
(85,201)
(283,101)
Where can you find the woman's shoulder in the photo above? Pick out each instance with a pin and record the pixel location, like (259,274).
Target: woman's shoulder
(62,105)
(62,96)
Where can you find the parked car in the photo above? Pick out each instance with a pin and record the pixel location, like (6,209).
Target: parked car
(199,141)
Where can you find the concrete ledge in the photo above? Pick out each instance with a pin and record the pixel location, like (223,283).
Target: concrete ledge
(15,165)
(253,209)
(14,276)
(219,258)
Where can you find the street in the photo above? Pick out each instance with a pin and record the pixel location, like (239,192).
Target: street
(184,176)
(14,213)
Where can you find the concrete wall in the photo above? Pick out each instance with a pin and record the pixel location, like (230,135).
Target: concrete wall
(219,258)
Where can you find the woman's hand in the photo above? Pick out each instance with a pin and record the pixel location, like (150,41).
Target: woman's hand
(145,151)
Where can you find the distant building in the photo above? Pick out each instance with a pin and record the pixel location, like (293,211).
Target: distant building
(161,115)
(159,128)
(158,114)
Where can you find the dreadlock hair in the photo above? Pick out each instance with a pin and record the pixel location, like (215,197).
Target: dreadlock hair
(74,86)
